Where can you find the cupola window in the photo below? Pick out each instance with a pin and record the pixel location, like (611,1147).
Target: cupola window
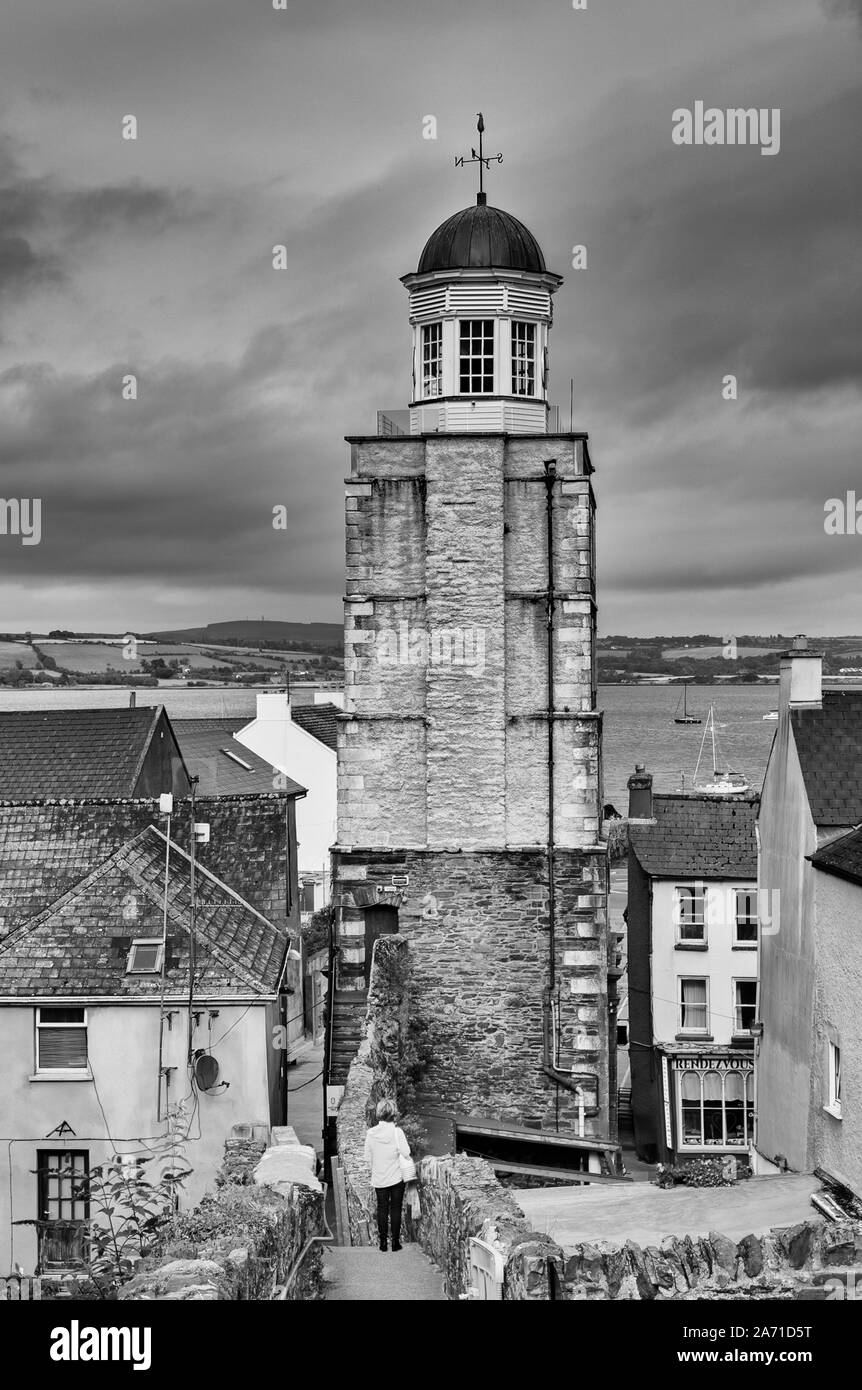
(477,357)
(523,359)
(432,359)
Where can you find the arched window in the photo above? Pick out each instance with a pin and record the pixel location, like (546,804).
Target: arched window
(692,1119)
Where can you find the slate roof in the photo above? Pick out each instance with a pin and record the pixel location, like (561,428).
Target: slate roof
(319,720)
(704,837)
(829,743)
(842,857)
(74,753)
(79,945)
(225,766)
(48,847)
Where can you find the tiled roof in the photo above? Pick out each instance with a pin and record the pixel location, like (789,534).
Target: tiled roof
(46,848)
(842,857)
(319,720)
(226,767)
(80,944)
(697,837)
(829,743)
(74,753)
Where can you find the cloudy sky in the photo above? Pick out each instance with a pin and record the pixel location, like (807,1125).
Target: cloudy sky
(304,127)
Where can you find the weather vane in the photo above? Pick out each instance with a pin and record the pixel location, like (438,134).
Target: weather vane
(483,160)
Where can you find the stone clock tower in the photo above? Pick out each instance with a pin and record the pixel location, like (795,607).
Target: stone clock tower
(469,753)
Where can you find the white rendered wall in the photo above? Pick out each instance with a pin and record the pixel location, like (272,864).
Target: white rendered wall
(721,962)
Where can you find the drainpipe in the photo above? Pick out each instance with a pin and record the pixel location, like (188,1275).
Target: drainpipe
(549,1066)
(550,479)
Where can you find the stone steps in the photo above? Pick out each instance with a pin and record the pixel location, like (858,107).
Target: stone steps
(347,1024)
(362,1273)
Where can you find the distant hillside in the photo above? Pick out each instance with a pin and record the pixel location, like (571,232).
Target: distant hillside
(251,632)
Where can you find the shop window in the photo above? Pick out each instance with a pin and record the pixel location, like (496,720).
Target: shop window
(716,1109)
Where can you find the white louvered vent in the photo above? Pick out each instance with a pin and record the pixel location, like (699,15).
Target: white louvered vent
(428,303)
(476,299)
(529,301)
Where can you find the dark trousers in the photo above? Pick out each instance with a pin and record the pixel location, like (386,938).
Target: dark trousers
(389,1203)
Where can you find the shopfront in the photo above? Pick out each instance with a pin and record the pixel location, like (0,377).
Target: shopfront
(708,1102)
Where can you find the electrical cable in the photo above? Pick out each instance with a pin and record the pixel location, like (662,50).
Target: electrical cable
(291,1089)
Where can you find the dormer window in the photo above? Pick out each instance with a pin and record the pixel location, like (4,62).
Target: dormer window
(432,359)
(476,358)
(523,359)
(145,957)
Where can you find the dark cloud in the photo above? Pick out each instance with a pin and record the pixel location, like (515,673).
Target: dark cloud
(839,8)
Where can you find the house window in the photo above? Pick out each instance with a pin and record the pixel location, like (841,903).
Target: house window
(744,1005)
(145,957)
(716,1109)
(690,915)
(63,1207)
(432,359)
(622,1035)
(61,1039)
(693,1005)
(523,359)
(745,925)
(833,1104)
(477,356)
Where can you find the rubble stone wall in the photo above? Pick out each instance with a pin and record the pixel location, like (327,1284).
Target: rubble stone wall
(241,1242)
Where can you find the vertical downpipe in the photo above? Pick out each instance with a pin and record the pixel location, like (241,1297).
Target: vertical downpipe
(550,479)
(193,781)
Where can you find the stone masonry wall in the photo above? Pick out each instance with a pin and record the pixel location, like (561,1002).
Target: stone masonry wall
(447,544)
(241,1242)
(372,1076)
(478,931)
(461,1198)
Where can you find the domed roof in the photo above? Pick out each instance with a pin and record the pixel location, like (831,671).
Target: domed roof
(482,237)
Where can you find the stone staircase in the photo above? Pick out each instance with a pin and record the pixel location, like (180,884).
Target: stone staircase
(347,1023)
(362,1273)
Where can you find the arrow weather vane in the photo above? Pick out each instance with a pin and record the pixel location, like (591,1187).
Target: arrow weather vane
(483,160)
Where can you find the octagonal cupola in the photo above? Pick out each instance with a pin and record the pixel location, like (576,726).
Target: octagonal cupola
(480,309)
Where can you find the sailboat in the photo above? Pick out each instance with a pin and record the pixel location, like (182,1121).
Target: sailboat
(685,717)
(724,782)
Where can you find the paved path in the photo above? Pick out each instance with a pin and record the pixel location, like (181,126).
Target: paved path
(305,1097)
(362,1273)
(644,1214)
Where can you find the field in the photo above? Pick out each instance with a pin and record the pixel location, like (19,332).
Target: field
(712,653)
(10,652)
(93,658)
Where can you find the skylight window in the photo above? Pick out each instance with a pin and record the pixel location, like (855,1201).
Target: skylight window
(237,759)
(145,958)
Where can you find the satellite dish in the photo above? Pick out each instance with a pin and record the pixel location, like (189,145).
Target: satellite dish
(206,1070)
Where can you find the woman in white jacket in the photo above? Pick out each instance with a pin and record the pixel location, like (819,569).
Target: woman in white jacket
(385,1147)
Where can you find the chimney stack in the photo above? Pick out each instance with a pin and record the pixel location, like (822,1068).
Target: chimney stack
(133,696)
(801,681)
(640,794)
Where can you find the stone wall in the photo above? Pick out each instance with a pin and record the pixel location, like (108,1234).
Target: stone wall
(242,1241)
(461,1198)
(373,1074)
(478,931)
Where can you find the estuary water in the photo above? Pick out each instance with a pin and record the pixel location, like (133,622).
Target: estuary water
(638,723)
